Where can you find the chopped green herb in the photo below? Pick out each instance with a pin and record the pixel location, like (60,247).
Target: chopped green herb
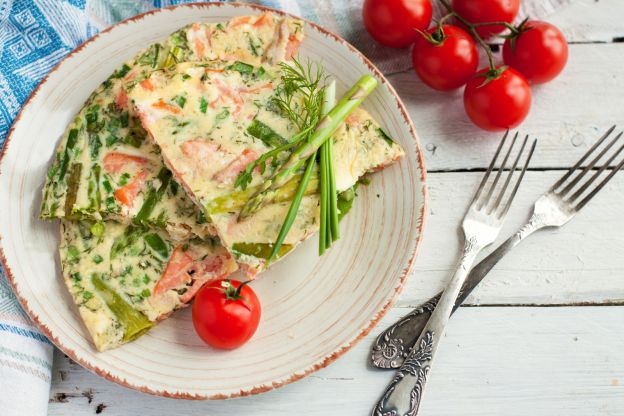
(122,72)
(261,73)
(129,237)
(124,178)
(111,140)
(145,293)
(203,105)
(180,100)
(385,136)
(157,244)
(94,144)
(73,254)
(223,114)
(253,48)
(123,118)
(97,259)
(97,229)
(261,131)
(241,67)
(86,295)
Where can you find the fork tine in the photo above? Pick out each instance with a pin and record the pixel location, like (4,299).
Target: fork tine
(593,193)
(583,188)
(509,176)
(590,166)
(581,160)
(487,173)
(500,170)
(517,186)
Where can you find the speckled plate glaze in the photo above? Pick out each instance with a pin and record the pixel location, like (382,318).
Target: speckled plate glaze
(314,309)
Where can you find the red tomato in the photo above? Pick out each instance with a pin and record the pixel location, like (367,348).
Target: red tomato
(445,62)
(226,315)
(394,22)
(501,103)
(483,11)
(540,51)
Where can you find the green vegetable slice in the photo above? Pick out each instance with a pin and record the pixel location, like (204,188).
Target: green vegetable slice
(72,138)
(261,131)
(157,244)
(241,67)
(385,136)
(134,322)
(234,201)
(72,188)
(260,250)
(164,176)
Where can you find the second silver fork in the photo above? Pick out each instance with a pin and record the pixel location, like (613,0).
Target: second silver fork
(481,226)
(553,209)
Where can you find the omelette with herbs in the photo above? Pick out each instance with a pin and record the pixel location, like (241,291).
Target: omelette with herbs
(210,151)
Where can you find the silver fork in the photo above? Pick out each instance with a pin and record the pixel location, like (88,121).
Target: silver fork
(553,209)
(481,226)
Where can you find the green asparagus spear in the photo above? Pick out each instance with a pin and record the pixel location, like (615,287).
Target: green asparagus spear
(234,201)
(134,322)
(328,125)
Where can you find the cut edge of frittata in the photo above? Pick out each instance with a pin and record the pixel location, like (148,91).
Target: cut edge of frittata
(80,189)
(124,279)
(196,158)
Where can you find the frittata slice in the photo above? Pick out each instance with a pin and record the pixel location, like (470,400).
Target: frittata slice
(211,122)
(125,278)
(104,167)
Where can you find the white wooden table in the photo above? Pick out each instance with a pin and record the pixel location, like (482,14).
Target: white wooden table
(544,333)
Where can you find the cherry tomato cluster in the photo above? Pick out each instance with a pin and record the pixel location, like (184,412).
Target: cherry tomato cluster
(445,56)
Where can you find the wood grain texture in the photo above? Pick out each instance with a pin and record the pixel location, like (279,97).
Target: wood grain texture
(578,263)
(556,361)
(567,114)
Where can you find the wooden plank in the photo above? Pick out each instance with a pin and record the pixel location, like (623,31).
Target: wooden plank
(567,114)
(590,20)
(493,361)
(580,262)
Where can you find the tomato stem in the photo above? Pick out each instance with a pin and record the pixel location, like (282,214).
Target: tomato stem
(472,28)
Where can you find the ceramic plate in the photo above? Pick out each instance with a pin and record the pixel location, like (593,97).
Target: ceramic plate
(314,309)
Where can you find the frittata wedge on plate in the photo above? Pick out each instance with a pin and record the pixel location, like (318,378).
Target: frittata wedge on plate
(104,167)
(210,122)
(125,278)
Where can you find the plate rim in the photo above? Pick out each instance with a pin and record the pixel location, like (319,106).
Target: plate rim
(328,359)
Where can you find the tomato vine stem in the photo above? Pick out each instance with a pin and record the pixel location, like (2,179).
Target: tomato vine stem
(472,28)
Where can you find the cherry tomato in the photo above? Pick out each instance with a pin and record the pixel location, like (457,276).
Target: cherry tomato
(499,103)
(540,51)
(226,313)
(445,60)
(483,11)
(394,22)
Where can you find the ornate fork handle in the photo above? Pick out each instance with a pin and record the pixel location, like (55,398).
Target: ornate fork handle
(389,349)
(404,394)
